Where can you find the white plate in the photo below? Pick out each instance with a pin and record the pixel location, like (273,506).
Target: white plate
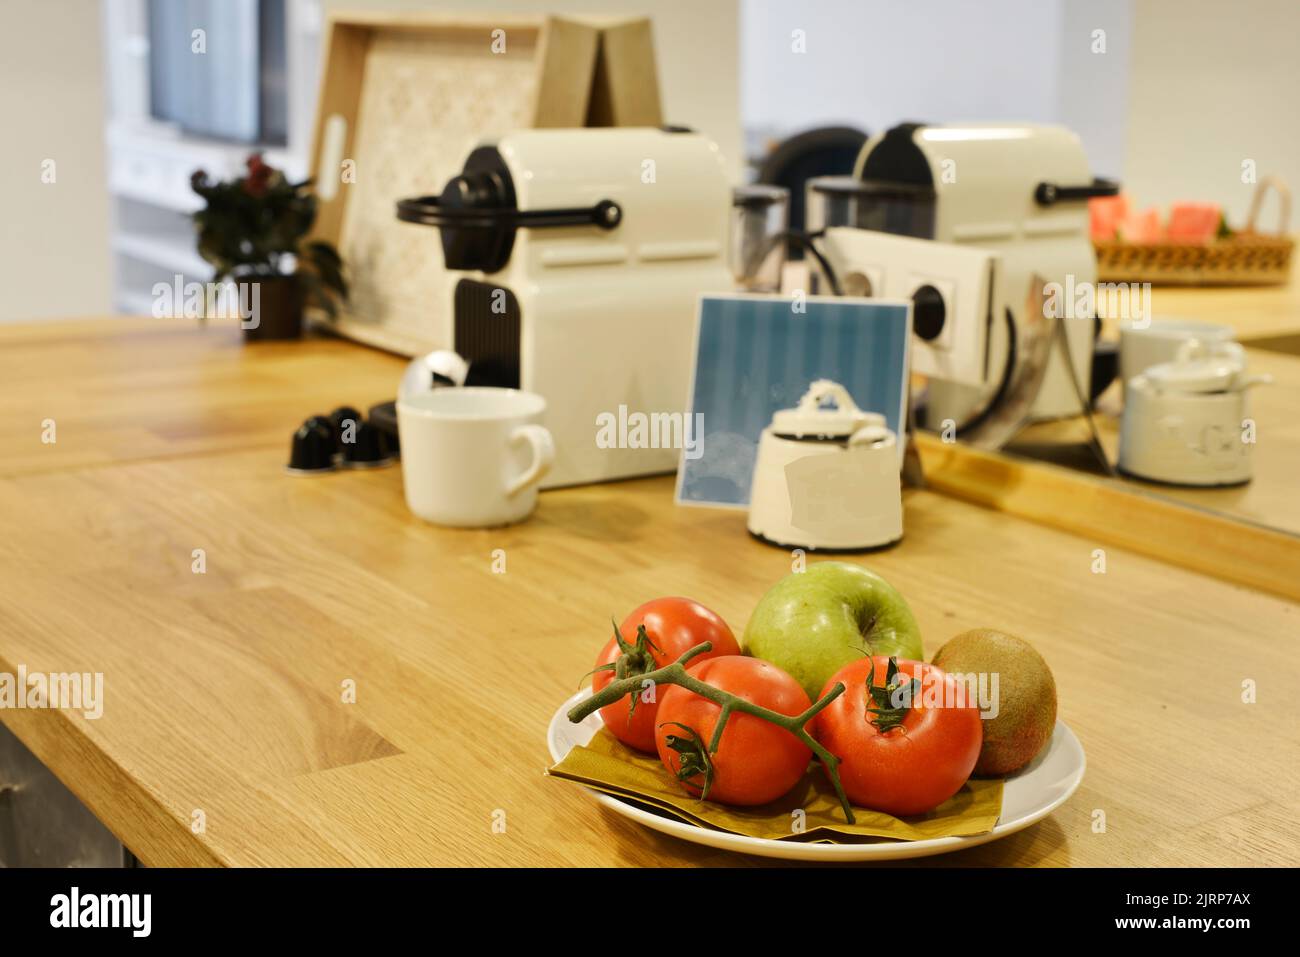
(1027,797)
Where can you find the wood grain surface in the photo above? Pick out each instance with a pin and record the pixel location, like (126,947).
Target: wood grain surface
(1257,312)
(223,689)
(1116,512)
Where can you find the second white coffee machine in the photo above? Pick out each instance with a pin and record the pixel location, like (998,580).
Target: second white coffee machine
(1008,204)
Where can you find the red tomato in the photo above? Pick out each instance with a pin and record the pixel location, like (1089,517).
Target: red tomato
(756,761)
(674,626)
(910,768)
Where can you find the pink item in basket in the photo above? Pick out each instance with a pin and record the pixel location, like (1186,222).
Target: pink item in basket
(1194,222)
(1105,213)
(1143,227)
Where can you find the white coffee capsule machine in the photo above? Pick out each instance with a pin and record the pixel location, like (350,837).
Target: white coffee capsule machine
(1014,193)
(585,253)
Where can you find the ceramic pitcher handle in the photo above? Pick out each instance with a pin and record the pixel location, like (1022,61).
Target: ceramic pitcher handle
(876,436)
(543,455)
(1230,350)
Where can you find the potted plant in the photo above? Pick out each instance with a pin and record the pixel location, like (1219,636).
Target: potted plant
(252,230)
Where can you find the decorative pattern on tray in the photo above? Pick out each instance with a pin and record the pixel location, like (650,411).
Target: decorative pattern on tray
(425,103)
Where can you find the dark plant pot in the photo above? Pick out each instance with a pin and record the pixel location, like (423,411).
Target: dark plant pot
(276,305)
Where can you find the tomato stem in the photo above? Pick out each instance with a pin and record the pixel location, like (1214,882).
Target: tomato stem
(676,674)
(635,660)
(693,758)
(892,700)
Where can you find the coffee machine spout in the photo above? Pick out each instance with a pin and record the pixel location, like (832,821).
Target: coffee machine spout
(434,370)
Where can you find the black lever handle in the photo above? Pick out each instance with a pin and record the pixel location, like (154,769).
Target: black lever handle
(428,211)
(1048,194)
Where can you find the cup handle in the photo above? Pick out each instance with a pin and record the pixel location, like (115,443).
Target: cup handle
(1230,350)
(543,455)
(874,436)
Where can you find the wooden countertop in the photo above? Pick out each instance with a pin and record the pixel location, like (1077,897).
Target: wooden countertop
(1255,312)
(222,690)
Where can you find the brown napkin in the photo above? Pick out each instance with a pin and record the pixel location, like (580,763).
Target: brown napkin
(606,764)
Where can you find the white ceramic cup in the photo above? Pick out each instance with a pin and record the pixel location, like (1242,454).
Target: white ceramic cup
(1146,345)
(472,457)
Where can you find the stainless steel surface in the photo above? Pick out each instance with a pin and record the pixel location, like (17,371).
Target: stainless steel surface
(42,824)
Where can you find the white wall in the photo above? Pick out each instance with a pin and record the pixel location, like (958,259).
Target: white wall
(874,63)
(1096,48)
(54,258)
(1212,84)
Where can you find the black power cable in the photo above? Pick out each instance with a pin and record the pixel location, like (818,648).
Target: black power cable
(805,240)
(1007,374)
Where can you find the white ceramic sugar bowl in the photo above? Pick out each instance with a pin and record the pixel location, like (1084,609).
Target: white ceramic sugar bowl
(827,476)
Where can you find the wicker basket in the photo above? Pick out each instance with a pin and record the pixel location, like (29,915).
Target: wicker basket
(1247,258)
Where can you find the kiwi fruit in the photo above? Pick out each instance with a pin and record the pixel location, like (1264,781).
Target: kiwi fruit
(1026,695)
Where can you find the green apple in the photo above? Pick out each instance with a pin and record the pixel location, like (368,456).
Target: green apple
(814,622)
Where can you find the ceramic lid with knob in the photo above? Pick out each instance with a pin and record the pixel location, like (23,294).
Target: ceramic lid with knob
(813,416)
(1195,375)
(1201,369)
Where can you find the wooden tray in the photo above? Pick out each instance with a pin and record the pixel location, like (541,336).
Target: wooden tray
(403,100)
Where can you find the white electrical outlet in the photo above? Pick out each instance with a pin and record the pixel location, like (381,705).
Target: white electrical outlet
(950,321)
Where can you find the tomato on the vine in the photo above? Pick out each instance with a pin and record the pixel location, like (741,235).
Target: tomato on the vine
(756,761)
(906,733)
(673,626)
